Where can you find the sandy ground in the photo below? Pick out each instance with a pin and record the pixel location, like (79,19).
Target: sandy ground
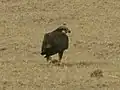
(94,44)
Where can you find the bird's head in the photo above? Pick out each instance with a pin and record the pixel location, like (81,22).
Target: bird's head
(63,28)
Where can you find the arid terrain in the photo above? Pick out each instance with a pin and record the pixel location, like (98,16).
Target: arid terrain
(94,44)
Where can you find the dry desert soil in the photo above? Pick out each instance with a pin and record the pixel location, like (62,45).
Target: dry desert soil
(94,44)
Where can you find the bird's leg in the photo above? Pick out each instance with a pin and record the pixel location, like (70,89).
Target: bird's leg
(48,58)
(60,55)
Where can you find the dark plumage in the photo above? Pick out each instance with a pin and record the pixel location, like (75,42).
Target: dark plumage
(55,42)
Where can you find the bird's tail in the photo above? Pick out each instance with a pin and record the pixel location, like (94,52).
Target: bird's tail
(42,53)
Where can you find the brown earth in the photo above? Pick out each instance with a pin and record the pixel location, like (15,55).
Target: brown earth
(94,44)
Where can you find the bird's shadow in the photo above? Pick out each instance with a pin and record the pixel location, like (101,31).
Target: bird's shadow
(76,64)
(82,64)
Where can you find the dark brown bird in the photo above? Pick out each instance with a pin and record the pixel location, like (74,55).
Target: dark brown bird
(55,42)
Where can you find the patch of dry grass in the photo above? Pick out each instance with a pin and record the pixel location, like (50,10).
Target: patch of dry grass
(94,43)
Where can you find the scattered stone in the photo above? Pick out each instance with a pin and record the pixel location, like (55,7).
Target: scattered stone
(2,49)
(97,73)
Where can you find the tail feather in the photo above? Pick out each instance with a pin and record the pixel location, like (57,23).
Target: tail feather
(42,53)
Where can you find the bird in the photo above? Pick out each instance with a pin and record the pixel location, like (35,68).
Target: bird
(54,42)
